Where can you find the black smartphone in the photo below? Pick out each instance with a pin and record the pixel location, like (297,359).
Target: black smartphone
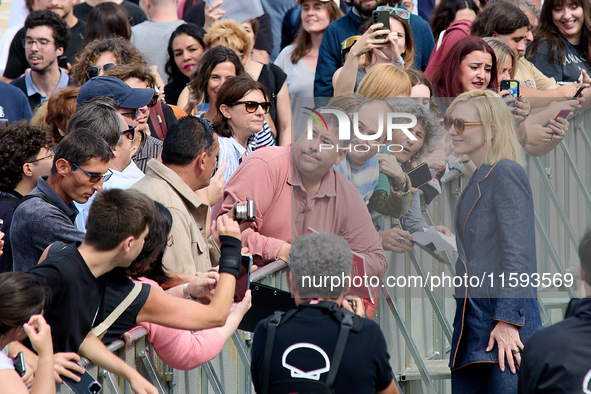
(382,17)
(19,363)
(62,61)
(87,384)
(579,91)
(243,281)
(513,86)
(420,175)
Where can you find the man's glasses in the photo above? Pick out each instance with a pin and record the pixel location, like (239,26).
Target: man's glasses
(401,12)
(252,106)
(133,114)
(49,156)
(130,132)
(41,43)
(94,178)
(94,71)
(458,124)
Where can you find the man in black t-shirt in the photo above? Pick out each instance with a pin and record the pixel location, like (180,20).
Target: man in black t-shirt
(17,59)
(118,223)
(304,345)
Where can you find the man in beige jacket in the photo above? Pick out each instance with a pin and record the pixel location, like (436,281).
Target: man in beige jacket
(188,163)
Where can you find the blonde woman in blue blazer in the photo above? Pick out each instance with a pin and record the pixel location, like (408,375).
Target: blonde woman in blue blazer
(494,226)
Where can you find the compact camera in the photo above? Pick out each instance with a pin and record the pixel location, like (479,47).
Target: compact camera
(245,213)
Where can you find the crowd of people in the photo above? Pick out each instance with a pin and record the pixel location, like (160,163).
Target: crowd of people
(130,134)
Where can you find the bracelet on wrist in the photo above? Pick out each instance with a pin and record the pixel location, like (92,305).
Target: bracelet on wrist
(186,293)
(400,63)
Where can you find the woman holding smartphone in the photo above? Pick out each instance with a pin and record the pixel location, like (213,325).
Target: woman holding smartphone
(495,235)
(22,299)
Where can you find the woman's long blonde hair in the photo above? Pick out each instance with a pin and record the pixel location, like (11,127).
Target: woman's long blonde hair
(493,112)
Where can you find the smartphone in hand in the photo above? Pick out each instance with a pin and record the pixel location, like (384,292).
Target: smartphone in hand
(511,85)
(382,17)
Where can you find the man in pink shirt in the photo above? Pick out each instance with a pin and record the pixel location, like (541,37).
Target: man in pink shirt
(295,187)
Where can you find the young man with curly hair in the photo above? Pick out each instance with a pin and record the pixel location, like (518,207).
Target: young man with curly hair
(46,39)
(25,155)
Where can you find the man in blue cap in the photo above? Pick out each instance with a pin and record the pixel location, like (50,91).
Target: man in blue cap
(80,165)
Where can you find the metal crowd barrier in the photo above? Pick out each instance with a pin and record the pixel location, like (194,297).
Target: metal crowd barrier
(416,323)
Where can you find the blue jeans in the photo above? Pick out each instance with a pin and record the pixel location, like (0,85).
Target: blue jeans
(483,378)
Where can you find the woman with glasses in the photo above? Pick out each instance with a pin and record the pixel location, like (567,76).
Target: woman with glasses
(495,236)
(242,104)
(100,55)
(375,46)
(298,60)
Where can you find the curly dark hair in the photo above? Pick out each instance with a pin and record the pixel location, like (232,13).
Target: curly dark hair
(61,30)
(19,144)
(124,51)
(176,79)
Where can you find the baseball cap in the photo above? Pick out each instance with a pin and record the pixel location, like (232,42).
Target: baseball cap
(116,89)
(337,2)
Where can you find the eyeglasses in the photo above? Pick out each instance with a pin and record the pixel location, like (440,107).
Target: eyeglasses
(49,156)
(459,124)
(170,241)
(132,114)
(41,43)
(94,71)
(130,132)
(252,106)
(94,178)
(401,12)
(154,101)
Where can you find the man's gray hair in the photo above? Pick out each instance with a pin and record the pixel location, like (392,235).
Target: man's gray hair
(100,114)
(428,119)
(314,257)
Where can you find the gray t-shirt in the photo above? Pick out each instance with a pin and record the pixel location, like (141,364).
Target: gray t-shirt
(300,79)
(568,69)
(151,38)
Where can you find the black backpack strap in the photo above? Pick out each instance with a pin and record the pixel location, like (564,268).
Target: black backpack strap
(272,325)
(346,326)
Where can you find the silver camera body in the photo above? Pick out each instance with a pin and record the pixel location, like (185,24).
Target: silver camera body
(245,213)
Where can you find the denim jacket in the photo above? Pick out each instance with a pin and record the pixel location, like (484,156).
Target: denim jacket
(495,234)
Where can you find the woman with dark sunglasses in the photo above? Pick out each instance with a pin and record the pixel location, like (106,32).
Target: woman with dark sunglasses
(495,237)
(241,107)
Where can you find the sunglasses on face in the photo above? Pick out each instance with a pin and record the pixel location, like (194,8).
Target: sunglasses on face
(94,71)
(458,124)
(130,132)
(133,114)
(252,106)
(94,178)
(401,12)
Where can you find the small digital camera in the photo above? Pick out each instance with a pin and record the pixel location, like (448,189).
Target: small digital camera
(245,213)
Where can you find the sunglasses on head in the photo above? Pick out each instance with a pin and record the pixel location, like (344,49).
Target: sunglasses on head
(401,12)
(458,124)
(348,43)
(252,106)
(94,178)
(94,71)
(130,132)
